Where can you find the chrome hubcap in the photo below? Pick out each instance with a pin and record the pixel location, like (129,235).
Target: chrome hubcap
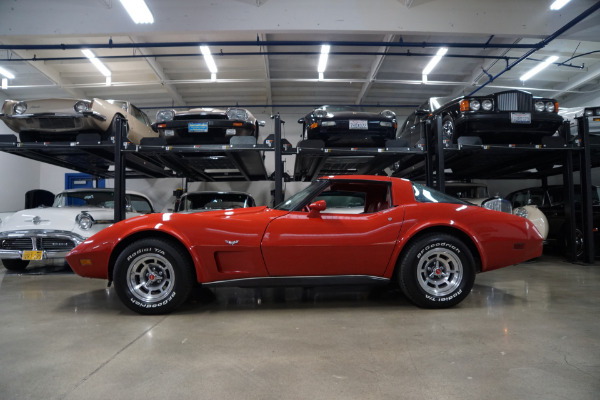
(448,129)
(439,272)
(150,277)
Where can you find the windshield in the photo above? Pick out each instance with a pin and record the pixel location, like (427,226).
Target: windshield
(84,199)
(299,198)
(215,201)
(425,194)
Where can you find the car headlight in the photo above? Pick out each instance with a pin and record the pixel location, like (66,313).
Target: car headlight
(165,115)
(521,212)
(20,107)
(388,114)
(487,105)
(475,105)
(549,106)
(81,106)
(540,106)
(238,114)
(84,220)
(588,113)
(320,113)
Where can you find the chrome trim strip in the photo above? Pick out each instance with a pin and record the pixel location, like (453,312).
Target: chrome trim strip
(325,280)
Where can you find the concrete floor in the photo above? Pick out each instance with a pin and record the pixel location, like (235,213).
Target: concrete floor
(530,331)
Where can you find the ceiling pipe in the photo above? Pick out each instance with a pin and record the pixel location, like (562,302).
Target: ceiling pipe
(112,45)
(299,53)
(542,44)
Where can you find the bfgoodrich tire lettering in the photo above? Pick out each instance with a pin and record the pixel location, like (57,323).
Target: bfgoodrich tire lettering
(153,276)
(436,271)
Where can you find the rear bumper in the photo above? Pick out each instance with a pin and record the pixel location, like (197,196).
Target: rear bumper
(219,131)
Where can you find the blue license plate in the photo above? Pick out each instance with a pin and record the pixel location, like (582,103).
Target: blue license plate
(197,126)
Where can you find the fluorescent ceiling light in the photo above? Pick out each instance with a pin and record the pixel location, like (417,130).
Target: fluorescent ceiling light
(435,60)
(97,63)
(323,58)
(213,77)
(208,59)
(321,76)
(538,68)
(6,73)
(4,83)
(138,11)
(558,4)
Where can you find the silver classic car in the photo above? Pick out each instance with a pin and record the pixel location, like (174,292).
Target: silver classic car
(51,232)
(61,120)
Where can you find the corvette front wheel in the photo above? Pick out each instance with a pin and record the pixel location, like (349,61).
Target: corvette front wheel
(437,271)
(153,276)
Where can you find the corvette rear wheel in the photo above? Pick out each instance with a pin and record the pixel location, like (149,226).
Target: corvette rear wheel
(436,271)
(153,276)
(14,264)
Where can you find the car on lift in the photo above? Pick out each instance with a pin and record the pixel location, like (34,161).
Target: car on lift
(210,201)
(509,117)
(551,200)
(206,125)
(478,194)
(430,243)
(349,126)
(61,120)
(592,114)
(51,232)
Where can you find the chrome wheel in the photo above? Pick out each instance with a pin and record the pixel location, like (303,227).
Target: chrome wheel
(150,277)
(439,272)
(448,128)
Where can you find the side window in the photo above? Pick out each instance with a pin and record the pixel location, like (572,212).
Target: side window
(138,114)
(355,197)
(520,199)
(139,204)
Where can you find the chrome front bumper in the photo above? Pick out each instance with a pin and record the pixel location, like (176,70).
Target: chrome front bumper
(93,114)
(53,243)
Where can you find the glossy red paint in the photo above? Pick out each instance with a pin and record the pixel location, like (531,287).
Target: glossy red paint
(265,242)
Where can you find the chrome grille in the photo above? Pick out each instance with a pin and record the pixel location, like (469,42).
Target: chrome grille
(56,244)
(198,117)
(45,243)
(514,101)
(56,123)
(16,244)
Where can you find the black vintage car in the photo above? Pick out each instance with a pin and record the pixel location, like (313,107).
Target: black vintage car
(510,117)
(550,200)
(205,125)
(349,126)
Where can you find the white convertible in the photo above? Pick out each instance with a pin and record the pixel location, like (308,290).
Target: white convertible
(51,232)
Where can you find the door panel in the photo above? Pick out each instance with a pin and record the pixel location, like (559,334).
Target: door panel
(331,244)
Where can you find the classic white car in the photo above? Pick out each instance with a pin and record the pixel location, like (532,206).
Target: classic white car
(477,193)
(51,232)
(61,120)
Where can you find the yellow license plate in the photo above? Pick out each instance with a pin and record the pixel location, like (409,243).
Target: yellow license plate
(32,255)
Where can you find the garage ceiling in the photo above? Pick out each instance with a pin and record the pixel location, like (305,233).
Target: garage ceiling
(267,51)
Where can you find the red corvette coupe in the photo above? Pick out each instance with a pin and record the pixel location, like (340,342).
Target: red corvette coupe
(339,230)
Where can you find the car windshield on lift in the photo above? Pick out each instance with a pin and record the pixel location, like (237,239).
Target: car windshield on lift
(85,199)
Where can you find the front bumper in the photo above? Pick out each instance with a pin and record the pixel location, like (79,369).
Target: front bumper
(341,134)
(52,243)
